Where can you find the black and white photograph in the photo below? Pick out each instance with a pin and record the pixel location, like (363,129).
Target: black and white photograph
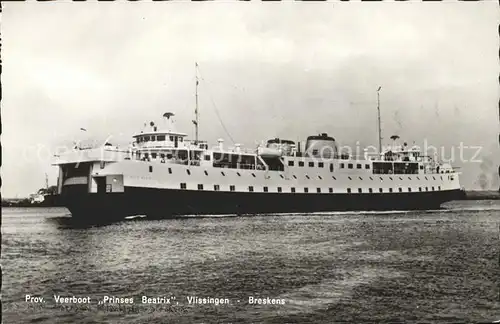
(250,162)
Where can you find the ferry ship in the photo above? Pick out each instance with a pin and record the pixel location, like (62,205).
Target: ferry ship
(163,174)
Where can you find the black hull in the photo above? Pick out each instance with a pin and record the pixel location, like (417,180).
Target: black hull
(166,203)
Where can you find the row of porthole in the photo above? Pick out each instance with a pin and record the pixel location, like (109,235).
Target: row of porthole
(306,190)
(295,177)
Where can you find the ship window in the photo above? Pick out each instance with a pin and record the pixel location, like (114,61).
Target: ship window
(232,188)
(341,165)
(153,138)
(439,187)
(301,163)
(200,187)
(239,175)
(320,178)
(441,177)
(321,164)
(153,155)
(188,172)
(223,173)
(370,190)
(311,164)
(171,138)
(146,156)
(400,178)
(318,190)
(380,190)
(360,178)
(216,187)
(390,178)
(350,166)
(433,188)
(409,189)
(207,157)
(371,178)
(381,179)
(150,168)
(390,189)
(183,185)
(169,170)
(330,190)
(348,190)
(292,189)
(409,178)
(250,188)
(421,167)
(349,178)
(419,188)
(334,178)
(418,178)
(400,189)
(181,139)
(253,175)
(206,173)
(265,189)
(426,178)
(358,166)
(279,189)
(360,190)
(161,137)
(367,166)
(102,164)
(146,138)
(294,176)
(434,178)
(306,190)
(162,155)
(426,188)
(290,163)
(282,176)
(331,167)
(307,177)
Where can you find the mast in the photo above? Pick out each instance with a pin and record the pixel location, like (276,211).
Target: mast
(379,123)
(195,122)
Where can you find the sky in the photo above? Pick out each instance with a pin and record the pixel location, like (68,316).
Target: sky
(288,70)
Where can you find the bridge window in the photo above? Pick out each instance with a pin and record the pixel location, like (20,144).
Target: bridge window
(200,187)
(382,168)
(290,163)
(232,188)
(292,189)
(279,189)
(161,137)
(171,138)
(153,138)
(349,166)
(306,190)
(250,188)
(321,164)
(216,188)
(311,164)
(146,138)
(358,166)
(153,155)
(183,185)
(207,157)
(301,163)
(265,189)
